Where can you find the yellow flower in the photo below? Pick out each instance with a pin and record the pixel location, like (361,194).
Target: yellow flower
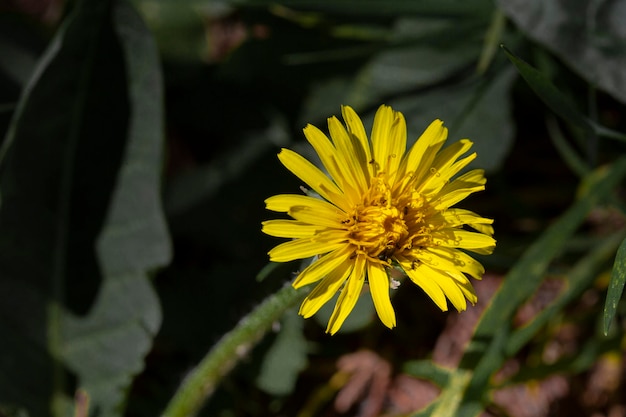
(381,207)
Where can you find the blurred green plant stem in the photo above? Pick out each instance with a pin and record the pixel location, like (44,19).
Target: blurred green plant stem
(202,381)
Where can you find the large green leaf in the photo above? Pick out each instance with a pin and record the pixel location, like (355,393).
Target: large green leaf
(80,217)
(586,34)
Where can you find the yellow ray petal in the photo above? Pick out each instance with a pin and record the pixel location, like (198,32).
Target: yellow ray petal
(379,288)
(456,217)
(414,271)
(452,259)
(307,209)
(423,152)
(448,286)
(317,217)
(284,202)
(313,177)
(397,146)
(448,156)
(466,288)
(301,249)
(289,228)
(462,239)
(357,132)
(388,139)
(439,177)
(353,159)
(460,188)
(332,161)
(323,266)
(380,136)
(325,290)
(348,297)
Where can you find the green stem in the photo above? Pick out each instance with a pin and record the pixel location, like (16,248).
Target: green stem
(203,380)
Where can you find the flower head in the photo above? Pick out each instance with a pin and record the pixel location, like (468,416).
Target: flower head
(381,207)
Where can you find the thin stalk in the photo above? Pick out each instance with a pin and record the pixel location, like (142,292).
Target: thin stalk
(202,381)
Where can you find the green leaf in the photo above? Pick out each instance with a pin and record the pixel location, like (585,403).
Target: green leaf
(133,240)
(616,286)
(286,357)
(80,219)
(549,94)
(587,35)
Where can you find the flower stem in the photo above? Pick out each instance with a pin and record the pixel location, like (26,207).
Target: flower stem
(202,381)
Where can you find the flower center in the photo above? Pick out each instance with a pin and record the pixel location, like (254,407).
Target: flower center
(384,224)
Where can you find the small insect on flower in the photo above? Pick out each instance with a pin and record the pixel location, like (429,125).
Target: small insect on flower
(381,207)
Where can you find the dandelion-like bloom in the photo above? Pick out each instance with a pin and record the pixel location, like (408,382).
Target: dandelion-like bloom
(381,207)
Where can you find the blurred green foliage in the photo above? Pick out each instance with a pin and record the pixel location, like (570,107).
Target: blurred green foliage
(138,145)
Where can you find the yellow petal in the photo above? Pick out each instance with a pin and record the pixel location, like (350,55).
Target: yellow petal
(449,287)
(301,249)
(446,284)
(379,288)
(460,188)
(289,228)
(325,290)
(317,217)
(323,266)
(357,132)
(472,241)
(450,154)
(388,139)
(284,202)
(416,272)
(348,297)
(421,155)
(313,177)
(353,158)
(451,260)
(458,217)
(328,155)
(440,177)
(397,145)
(307,209)
(466,288)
